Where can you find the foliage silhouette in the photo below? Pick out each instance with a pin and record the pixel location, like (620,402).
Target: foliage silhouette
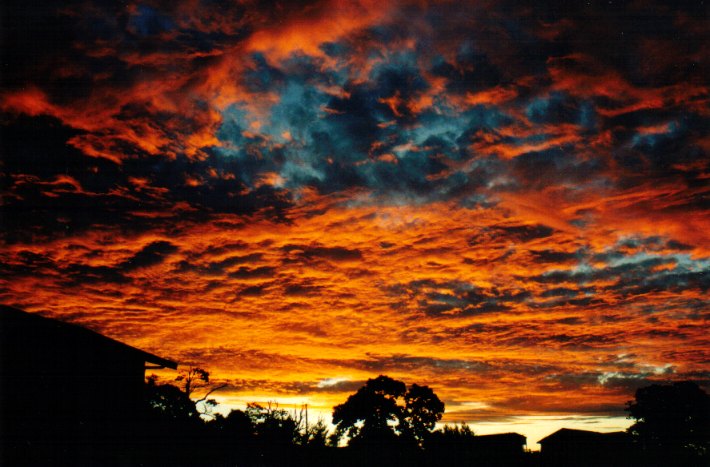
(230,438)
(385,411)
(194,378)
(235,427)
(168,402)
(317,435)
(273,426)
(422,410)
(386,423)
(672,422)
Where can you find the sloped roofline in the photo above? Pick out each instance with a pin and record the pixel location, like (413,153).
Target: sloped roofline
(509,434)
(580,432)
(60,326)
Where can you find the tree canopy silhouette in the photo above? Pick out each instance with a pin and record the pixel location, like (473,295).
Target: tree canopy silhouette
(422,409)
(672,420)
(167,402)
(384,408)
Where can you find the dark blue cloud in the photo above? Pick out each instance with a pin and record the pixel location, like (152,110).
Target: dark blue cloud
(354,138)
(471,71)
(261,76)
(455,299)
(552,256)
(561,164)
(511,233)
(147,21)
(558,108)
(634,275)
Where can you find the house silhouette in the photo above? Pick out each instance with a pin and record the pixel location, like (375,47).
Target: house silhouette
(500,448)
(68,395)
(586,448)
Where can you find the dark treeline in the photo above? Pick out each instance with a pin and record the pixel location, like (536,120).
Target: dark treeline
(384,423)
(387,423)
(72,397)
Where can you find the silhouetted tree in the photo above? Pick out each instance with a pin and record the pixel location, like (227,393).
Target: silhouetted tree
(235,426)
(672,421)
(274,426)
(194,378)
(368,413)
(422,410)
(383,408)
(454,434)
(171,427)
(276,433)
(231,438)
(168,403)
(317,435)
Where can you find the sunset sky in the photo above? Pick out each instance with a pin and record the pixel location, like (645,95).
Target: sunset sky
(504,200)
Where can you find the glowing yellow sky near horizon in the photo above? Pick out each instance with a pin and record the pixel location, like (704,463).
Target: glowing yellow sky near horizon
(533,427)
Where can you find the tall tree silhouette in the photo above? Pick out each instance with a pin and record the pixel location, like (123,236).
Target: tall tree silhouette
(193,379)
(421,412)
(383,408)
(672,421)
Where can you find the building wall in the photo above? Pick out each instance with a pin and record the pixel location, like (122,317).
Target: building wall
(586,450)
(64,396)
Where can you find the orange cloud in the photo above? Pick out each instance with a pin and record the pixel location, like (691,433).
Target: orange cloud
(305,31)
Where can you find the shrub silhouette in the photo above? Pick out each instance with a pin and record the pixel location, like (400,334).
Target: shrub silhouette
(672,423)
(168,403)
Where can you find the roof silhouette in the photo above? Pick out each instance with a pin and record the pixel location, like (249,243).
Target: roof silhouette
(17,320)
(568,433)
(510,435)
